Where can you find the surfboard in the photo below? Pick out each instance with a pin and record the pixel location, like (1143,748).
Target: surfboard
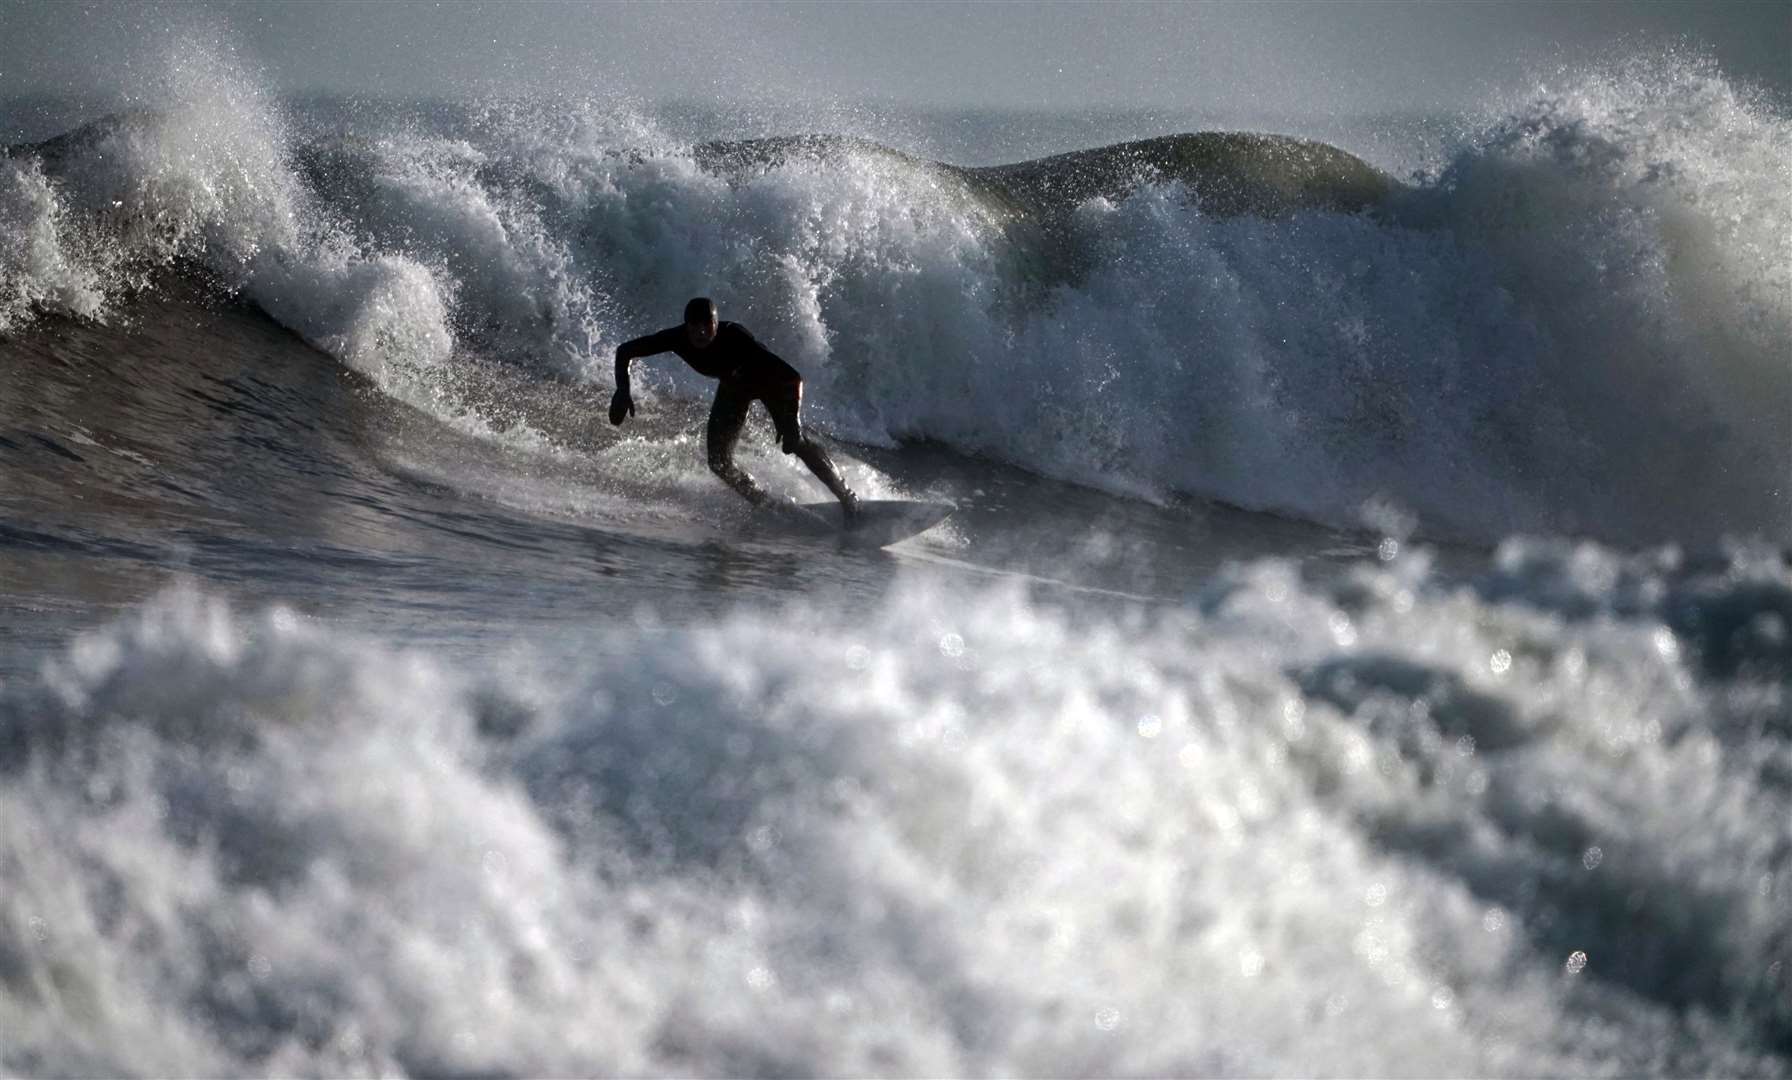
(882,522)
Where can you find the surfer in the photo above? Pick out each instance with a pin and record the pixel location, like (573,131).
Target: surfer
(748,372)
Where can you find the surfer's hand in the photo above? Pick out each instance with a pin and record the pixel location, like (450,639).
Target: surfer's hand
(621,405)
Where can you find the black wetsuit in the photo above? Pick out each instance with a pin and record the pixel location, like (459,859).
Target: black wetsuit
(748,372)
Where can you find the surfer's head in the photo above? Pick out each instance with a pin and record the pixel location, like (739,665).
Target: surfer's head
(700,321)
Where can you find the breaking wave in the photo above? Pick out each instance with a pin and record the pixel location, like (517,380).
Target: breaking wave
(1579,323)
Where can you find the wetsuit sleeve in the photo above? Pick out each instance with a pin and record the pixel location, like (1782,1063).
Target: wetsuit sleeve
(662,341)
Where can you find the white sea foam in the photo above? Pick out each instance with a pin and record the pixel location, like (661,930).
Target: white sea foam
(41,268)
(1579,324)
(204,180)
(1536,824)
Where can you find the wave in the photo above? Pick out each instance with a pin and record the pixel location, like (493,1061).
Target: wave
(1534,824)
(1577,324)
(1229,173)
(206,185)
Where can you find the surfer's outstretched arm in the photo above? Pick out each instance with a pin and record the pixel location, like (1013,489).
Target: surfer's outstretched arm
(622,405)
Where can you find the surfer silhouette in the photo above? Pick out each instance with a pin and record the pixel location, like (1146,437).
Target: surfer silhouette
(747,372)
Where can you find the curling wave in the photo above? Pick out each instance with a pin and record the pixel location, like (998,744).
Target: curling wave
(1578,324)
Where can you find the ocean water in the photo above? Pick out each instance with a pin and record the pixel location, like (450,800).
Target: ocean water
(1362,646)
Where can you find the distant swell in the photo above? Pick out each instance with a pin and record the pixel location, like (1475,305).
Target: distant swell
(1579,324)
(1229,172)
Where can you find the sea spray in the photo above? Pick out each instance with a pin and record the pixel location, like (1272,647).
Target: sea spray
(1522,823)
(203,181)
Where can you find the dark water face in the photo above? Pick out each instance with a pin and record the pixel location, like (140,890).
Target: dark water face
(198,438)
(202,439)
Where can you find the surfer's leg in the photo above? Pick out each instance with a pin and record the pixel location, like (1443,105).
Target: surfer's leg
(784,402)
(726,417)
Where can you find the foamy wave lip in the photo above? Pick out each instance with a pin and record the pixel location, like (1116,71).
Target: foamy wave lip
(41,264)
(1453,834)
(386,316)
(1639,215)
(1510,349)
(206,180)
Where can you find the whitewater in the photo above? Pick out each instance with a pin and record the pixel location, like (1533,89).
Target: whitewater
(1362,646)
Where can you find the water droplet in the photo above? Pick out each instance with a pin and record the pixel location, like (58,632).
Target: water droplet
(1577,961)
(1574,664)
(761,978)
(1250,963)
(1441,998)
(952,645)
(1592,857)
(1388,549)
(1294,719)
(1107,1018)
(1376,895)
(1150,726)
(665,693)
(1500,662)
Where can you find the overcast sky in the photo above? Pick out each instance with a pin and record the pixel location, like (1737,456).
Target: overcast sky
(1333,56)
